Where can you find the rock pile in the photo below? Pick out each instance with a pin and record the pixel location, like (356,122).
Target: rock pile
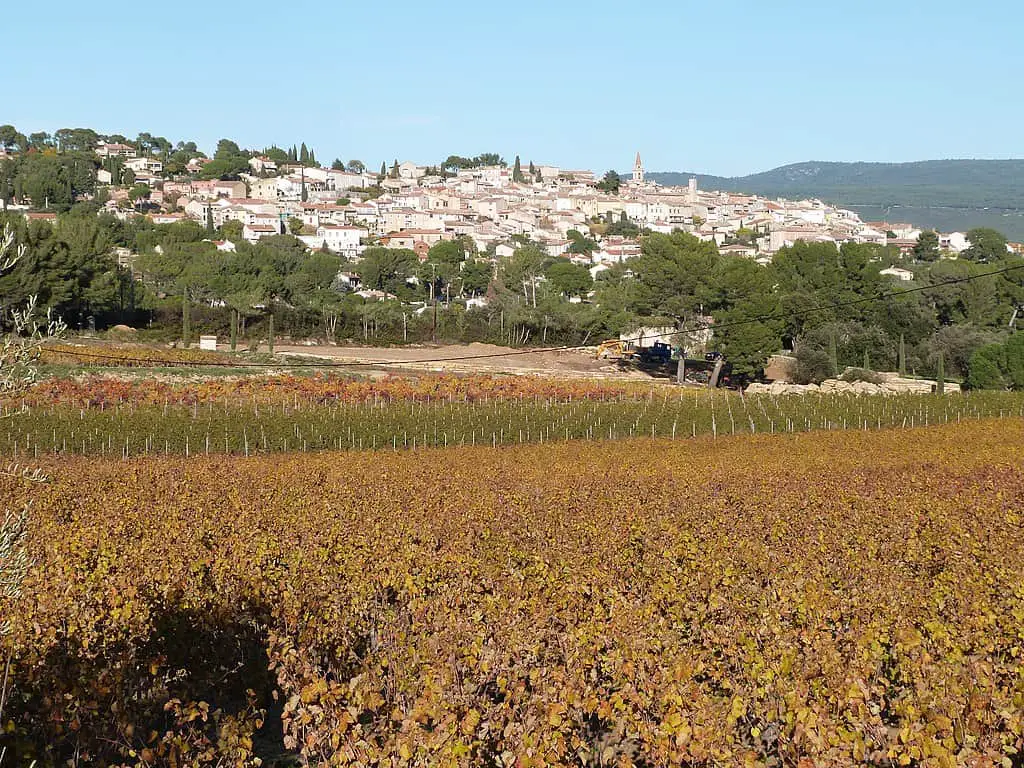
(890,385)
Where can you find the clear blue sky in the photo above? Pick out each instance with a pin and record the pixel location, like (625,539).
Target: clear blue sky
(725,88)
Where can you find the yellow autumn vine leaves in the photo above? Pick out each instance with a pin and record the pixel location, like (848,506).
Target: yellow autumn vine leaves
(825,599)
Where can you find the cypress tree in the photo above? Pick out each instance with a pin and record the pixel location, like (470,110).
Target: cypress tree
(312,158)
(940,375)
(517,171)
(270,335)
(303,154)
(383,170)
(234,329)
(394,170)
(867,361)
(833,354)
(186,319)
(903,357)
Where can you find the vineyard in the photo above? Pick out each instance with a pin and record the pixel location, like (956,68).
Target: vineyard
(828,598)
(128,356)
(246,416)
(100,391)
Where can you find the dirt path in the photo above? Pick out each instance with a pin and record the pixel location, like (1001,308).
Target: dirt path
(471,358)
(442,358)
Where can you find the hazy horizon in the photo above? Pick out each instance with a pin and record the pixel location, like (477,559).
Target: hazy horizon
(567,84)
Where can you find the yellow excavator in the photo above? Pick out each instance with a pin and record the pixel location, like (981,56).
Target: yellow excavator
(615,349)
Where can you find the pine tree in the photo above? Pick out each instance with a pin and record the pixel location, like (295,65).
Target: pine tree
(517,172)
(303,154)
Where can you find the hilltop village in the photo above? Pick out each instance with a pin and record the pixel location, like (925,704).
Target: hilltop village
(415,206)
(476,249)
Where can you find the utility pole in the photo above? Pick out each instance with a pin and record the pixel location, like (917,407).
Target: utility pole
(1018,311)
(186,319)
(433,294)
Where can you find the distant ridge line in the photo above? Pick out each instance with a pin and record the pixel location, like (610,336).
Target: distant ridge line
(980,188)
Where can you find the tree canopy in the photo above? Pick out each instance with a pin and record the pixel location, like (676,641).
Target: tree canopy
(610,183)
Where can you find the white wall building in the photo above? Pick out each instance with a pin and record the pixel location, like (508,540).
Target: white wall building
(341,239)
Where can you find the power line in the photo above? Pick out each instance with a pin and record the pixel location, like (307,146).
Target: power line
(852,302)
(565,348)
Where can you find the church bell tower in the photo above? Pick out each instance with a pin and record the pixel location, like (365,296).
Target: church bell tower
(638,170)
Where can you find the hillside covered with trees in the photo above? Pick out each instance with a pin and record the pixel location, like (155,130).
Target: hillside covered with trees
(954,316)
(535,299)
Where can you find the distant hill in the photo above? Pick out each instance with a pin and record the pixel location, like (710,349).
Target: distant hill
(947,194)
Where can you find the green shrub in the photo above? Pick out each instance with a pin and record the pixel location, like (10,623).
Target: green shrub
(861,374)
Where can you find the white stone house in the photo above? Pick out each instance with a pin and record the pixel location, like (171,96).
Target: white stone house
(341,239)
(146,164)
(115,150)
(255,232)
(899,273)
